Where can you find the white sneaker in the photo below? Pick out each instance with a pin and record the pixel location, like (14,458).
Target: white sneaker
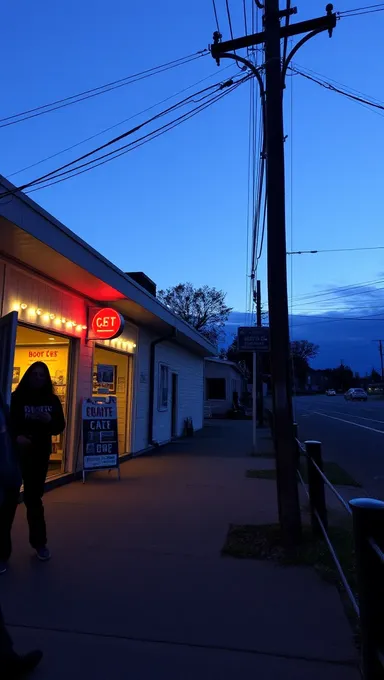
(43,554)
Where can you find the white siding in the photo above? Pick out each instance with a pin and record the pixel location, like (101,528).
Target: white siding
(190,371)
(233,381)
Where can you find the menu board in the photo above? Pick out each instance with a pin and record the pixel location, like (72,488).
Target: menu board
(100,436)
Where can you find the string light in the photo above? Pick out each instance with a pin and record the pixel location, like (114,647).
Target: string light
(48,316)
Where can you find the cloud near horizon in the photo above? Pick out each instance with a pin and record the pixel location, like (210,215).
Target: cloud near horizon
(346,323)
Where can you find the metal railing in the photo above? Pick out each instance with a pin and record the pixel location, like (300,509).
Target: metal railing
(368,531)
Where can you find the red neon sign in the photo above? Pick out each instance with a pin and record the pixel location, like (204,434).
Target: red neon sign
(106,324)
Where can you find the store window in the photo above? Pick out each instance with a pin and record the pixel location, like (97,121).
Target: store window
(111,378)
(53,350)
(216,388)
(163,387)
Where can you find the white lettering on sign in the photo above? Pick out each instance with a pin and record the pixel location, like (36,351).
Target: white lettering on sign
(106,321)
(100,424)
(104,448)
(99,412)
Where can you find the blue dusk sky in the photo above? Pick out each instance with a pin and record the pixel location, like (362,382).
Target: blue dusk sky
(176,208)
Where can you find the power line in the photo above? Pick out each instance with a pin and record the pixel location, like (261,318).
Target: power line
(116,139)
(133,145)
(245,18)
(333,88)
(51,178)
(337,82)
(342,289)
(95,92)
(216,16)
(330,297)
(359,9)
(370,9)
(333,250)
(229,20)
(112,127)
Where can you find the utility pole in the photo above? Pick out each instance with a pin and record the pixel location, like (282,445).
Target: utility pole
(381,358)
(259,387)
(286,456)
(272,95)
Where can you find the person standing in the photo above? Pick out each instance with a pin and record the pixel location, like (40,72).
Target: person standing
(10,482)
(12,665)
(36,415)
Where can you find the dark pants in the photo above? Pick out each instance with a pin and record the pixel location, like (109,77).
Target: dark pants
(8,507)
(34,468)
(6,645)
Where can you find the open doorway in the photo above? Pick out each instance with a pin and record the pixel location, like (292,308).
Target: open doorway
(174,421)
(54,350)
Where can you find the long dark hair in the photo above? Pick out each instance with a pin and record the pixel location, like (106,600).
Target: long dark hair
(24,387)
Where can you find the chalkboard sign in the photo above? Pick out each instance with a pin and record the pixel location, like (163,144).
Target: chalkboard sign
(99,434)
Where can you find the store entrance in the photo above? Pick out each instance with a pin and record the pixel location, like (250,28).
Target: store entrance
(111,377)
(53,350)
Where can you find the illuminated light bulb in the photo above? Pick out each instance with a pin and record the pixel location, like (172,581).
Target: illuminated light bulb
(32,311)
(63,320)
(79,328)
(134,344)
(74,324)
(38,311)
(23,305)
(69,324)
(84,328)
(58,321)
(15,307)
(46,317)
(52,316)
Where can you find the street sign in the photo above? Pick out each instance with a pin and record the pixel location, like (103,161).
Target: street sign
(253,339)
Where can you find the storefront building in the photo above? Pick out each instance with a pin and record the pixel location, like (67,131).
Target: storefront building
(61,303)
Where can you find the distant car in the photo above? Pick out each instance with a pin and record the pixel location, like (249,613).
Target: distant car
(356,394)
(331,393)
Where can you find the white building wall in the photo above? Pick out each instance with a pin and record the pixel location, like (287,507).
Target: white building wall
(233,383)
(190,403)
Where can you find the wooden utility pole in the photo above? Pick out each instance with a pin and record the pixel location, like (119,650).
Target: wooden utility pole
(288,500)
(286,476)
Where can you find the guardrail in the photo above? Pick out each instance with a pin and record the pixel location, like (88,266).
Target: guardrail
(368,530)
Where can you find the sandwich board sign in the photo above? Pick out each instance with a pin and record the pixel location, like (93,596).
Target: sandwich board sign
(253,338)
(100,442)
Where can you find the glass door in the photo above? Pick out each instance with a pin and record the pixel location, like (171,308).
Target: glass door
(8,328)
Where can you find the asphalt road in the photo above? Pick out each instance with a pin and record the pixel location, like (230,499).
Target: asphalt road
(352,434)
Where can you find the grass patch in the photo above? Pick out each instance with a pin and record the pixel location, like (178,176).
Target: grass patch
(336,474)
(263,542)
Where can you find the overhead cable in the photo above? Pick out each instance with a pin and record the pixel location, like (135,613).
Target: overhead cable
(95,92)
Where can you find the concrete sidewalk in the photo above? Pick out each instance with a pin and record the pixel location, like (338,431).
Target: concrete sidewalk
(137,587)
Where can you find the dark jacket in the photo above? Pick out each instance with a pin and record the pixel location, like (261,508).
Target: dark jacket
(22,422)
(10,476)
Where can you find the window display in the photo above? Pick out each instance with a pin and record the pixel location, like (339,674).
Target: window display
(111,378)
